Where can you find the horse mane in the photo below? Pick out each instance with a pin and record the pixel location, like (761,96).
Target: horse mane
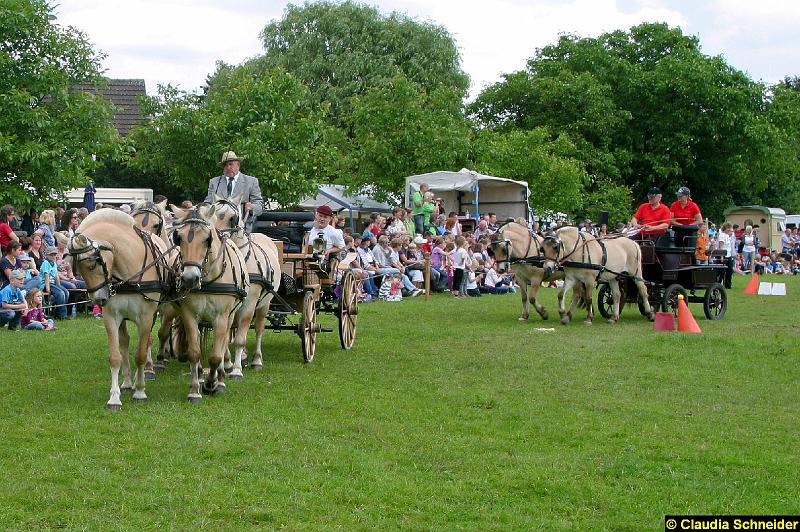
(109,216)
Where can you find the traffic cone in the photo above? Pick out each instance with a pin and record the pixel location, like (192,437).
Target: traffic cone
(752,287)
(664,321)
(686,322)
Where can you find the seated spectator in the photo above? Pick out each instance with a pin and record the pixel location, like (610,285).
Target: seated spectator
(50,285)
(411,257)
(701,245)
(47,225)
(495,284)
(387,259)
(367,285)
(474,278)
(392,288)
(12,303)
(10,262)
(31,273)
(30,221)
(34,318)
(7,233)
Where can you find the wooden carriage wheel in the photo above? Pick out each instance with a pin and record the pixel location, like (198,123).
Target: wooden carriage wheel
(348,310)
(308,326)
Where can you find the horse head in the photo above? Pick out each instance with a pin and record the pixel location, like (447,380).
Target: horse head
(500,247)
(550,248)
(94,261)
(228,217)
(195,235)
(150,216)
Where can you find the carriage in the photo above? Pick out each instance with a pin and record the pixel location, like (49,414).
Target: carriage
(669,270)
(309,285)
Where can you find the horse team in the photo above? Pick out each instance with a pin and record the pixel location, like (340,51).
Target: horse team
(207,272)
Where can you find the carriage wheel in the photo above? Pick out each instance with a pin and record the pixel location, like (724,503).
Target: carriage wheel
(716,302)
(605,301)
(348,311)
(670,301)
(308,326)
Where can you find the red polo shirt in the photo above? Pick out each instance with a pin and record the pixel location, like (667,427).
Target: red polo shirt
(646,214)
(684,215)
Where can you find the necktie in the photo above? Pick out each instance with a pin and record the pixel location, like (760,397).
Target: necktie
(230,186)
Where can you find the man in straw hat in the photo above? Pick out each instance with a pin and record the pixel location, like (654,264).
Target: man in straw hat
(234,184)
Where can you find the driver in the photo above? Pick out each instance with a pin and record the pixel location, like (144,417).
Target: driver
(653,217)
(685,211)
(334,241)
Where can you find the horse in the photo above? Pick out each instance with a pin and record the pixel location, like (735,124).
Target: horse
(213,282)
(587,259)
(514,246)
(264,271)
(125,273)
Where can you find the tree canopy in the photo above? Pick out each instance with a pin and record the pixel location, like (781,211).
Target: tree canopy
(645,107)
(51,136)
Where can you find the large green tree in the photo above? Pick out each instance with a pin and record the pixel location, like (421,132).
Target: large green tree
(267,117)
(341,50)
(51,136)
(644,107)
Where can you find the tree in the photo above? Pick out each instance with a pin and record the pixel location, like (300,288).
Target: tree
(267,117)
(399,130)
(343,50)
(644,107)
(51,136)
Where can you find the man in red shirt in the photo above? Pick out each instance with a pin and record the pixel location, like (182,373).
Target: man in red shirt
(685,211)
(653,217)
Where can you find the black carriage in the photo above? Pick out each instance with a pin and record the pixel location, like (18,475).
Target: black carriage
(309,285)
(669,270)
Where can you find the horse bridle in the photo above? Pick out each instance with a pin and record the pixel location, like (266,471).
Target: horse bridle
(97,256)
(235,219)
(147,212)
(202,265)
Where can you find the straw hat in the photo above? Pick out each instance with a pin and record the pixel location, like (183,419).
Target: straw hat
(229,156)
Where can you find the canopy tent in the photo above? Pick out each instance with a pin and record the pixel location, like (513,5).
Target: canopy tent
(334,196)
(469,193)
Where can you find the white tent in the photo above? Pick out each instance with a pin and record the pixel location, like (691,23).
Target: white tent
(467,191)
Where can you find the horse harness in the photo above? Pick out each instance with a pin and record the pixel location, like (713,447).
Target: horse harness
(134,283)
(582,243)
(534,260)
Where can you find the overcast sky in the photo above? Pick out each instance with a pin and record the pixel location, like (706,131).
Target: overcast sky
(178,41)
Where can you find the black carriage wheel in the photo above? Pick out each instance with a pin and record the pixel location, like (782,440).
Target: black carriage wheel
(670,301)
(308,326)
(348,311)
(605,301)
(715,303)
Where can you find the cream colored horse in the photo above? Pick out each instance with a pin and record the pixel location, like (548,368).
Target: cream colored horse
(517,248)
(264,269)
(125,273)
(586,260)
(213,277)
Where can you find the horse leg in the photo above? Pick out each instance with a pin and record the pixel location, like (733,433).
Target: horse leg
(643,294)
(192,334)
(536,284)
(124,343)
(114,361)
(587,297)
(615,294)
(523,291)
(566,317)
(259,320)
(215,382)
(144,326)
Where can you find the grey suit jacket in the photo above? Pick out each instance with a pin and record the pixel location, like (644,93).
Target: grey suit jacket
(247,186)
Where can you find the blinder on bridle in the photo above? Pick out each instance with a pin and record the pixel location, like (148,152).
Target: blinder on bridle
(146,221)
(234,222)
(192,223)
(95,248)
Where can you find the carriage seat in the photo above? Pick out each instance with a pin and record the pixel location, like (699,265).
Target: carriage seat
(678,239)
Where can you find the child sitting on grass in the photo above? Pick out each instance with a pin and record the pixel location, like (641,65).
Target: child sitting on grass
(392,288)
(35,319)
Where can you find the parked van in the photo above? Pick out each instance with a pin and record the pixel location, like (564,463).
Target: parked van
(771,222)
(792,221)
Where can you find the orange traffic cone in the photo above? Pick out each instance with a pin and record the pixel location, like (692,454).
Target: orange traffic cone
(686,322)
(752,287)
(664,321)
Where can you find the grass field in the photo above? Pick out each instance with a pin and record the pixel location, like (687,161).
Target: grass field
(445,415)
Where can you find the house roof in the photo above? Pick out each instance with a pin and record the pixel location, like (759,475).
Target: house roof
(124,94)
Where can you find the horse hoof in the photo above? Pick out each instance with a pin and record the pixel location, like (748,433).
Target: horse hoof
(194,399)
(235,376)
(159,368)
(244,362)
(612,320)
(113,407)
(522,319)
(139,400)
(564,320)
(126,388)
(221,388)
(587,322)
(545,315)
(257,366)
(651,316)
(149,375)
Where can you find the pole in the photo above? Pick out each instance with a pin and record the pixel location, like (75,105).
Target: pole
(427,277)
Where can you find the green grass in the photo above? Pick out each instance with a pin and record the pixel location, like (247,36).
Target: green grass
(445,415)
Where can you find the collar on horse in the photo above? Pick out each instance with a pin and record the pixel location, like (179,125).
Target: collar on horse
(116,284)
(526,258)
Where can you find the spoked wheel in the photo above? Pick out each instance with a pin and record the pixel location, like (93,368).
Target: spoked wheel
(670,301)
(716,302)
(605,301)
(308,326)
(348,310)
